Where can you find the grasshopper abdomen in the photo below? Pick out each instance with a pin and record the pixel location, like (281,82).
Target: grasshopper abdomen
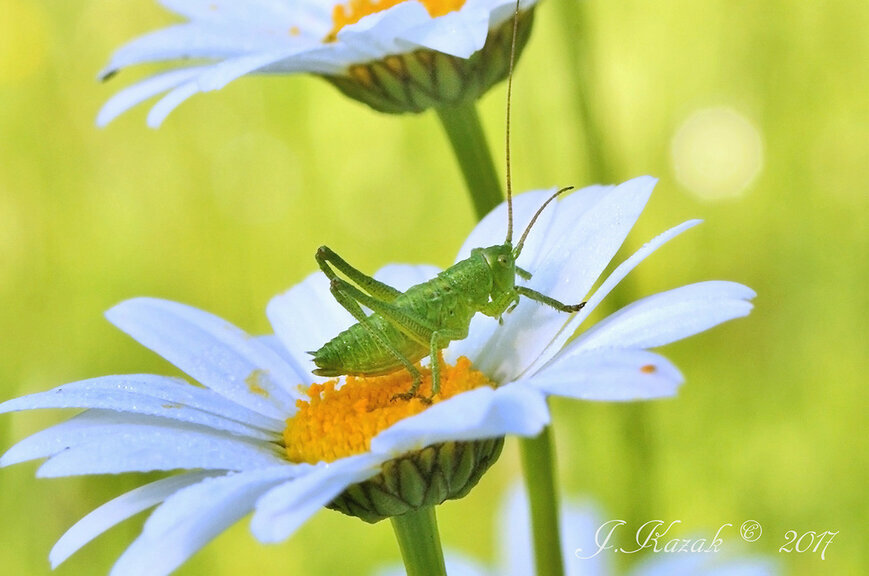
(356,353)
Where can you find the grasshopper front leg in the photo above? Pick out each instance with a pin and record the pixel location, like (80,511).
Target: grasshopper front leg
(505,302)
(551,302)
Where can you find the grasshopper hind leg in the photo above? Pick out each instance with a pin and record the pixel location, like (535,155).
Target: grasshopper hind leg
(342,292)
(379,298)
(327,258)
(348,296)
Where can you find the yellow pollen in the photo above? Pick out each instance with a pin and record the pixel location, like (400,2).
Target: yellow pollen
(254,382)
(353,11)
(339,421)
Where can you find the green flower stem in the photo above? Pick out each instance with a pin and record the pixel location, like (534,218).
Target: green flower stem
(417,535)
(538,464)
(465,132)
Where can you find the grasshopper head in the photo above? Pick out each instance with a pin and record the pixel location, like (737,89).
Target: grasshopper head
(503,266)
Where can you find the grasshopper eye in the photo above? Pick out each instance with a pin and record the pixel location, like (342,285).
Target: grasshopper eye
(502,260)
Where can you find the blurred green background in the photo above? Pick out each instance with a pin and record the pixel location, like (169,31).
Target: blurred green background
(753,114)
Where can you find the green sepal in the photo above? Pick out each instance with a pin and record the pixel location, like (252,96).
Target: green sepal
(423,79)
(420,479)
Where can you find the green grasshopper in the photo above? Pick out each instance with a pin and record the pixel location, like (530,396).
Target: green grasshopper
(405,327)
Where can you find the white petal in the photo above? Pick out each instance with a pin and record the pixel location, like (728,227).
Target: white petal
(192,517)
(155,395)
(329,59)
(277,347)
(132,443)
(480,413)
(141,91)
(480,331)
(557,223)
(212,351)
(116,511)
(589,231)
(89,426)
(305,317)
(219,75)
(605,288)
(610,375)
(192,40)
(281,511)
(375,34)
(171,101)
(458,34)
(225,72)
(669,316)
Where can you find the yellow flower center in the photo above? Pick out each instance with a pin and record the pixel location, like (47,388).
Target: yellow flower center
(353,11)
(339,421)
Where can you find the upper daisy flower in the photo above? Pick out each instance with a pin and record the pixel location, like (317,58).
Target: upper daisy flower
(394,55)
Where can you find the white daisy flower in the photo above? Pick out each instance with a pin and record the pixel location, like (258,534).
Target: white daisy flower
(252,440)
(580,521)
(394,55)
(266,436)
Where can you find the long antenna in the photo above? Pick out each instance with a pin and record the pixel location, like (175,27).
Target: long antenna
(507,147)
(518,249)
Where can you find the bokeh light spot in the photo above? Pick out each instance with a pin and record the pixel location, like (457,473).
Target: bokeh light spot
(716,153)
